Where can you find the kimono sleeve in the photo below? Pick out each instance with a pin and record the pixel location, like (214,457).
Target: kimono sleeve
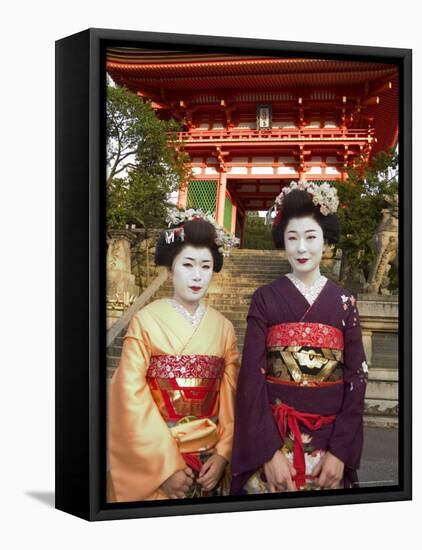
(256,436)
(142,452)
(227,395)
(347,438)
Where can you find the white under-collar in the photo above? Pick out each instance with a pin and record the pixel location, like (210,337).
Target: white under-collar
(310,293)
(194,318)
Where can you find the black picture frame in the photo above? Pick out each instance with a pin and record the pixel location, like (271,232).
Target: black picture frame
(80,275)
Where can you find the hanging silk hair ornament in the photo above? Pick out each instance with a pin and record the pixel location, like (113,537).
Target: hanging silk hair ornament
(278,218)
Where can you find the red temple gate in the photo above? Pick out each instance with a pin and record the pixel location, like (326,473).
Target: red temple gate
(254,123)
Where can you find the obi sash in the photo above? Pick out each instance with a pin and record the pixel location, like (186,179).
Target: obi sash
(186,391)
(304,353)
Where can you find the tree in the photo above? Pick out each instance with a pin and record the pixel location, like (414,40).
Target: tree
(257,235)
(362,198)
(145,162)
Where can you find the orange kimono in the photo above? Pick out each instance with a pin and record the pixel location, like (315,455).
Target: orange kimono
(171,400)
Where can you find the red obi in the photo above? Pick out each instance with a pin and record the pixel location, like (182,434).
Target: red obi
(305,334)
(186,386)
(304,353)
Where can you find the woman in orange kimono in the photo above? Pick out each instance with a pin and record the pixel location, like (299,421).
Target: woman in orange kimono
(171,398)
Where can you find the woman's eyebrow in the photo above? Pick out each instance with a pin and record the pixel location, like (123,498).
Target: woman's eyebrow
(193,259)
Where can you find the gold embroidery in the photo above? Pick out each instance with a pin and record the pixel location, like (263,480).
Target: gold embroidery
(310,359)
(199,397)
(305,365)
(194,382)
(294,370)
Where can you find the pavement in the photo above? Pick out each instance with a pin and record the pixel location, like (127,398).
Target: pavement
(379,465)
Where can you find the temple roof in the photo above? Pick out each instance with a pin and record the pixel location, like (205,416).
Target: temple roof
(181,75)
(153,68)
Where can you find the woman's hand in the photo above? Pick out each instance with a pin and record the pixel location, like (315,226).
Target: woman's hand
(212,471)
(178,483)
(329,471)
(279,473)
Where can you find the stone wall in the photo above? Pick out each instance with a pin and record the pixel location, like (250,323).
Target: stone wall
(379,321)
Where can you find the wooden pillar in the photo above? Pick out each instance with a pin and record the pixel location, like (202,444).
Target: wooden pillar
(302,175)
(221,197)
(182,198)
(233,224)
(242,229)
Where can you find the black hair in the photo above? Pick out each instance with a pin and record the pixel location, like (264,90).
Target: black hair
(198,233)
(298,204)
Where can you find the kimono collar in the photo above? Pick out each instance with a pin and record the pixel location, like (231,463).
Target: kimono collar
(310,293)
(193,318)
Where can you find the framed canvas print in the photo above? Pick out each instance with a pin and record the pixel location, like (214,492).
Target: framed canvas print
(233,274)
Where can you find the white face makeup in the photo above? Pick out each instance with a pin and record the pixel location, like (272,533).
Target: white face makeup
(304,244)
(191,273)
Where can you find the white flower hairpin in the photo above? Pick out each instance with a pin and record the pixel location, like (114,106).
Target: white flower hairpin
(323,195)
(177,218)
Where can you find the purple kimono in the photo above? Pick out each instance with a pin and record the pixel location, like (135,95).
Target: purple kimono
(301,386)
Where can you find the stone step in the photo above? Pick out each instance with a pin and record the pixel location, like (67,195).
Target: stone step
(375,421)
(235,308)
(253,267)
(115,350)
(382,390)
(244,281)
(245,297)
(236,315)
(250,259)
(381,407)
(254,252)
(234,302)
(239,324)
(229,285)
(112,363)
(251,273)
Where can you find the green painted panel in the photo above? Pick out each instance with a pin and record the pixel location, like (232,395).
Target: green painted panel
(202,194)
(227,214)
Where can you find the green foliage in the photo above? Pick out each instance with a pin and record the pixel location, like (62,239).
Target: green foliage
(144,161)
(257,235)
(362,198)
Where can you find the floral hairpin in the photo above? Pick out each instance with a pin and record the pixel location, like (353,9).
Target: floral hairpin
(179,217)
(323,195)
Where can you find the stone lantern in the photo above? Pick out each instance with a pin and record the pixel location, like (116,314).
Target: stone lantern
(121,287)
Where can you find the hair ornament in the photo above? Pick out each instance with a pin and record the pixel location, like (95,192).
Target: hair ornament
(177,218)
(323,195)
(278,217)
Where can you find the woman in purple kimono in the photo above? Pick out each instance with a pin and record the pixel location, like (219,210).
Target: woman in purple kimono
(299,405)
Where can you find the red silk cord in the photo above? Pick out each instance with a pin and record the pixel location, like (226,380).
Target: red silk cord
(288,417)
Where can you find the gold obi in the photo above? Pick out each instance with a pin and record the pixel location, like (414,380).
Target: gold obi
(304,364)
(178,398)
(185,386)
